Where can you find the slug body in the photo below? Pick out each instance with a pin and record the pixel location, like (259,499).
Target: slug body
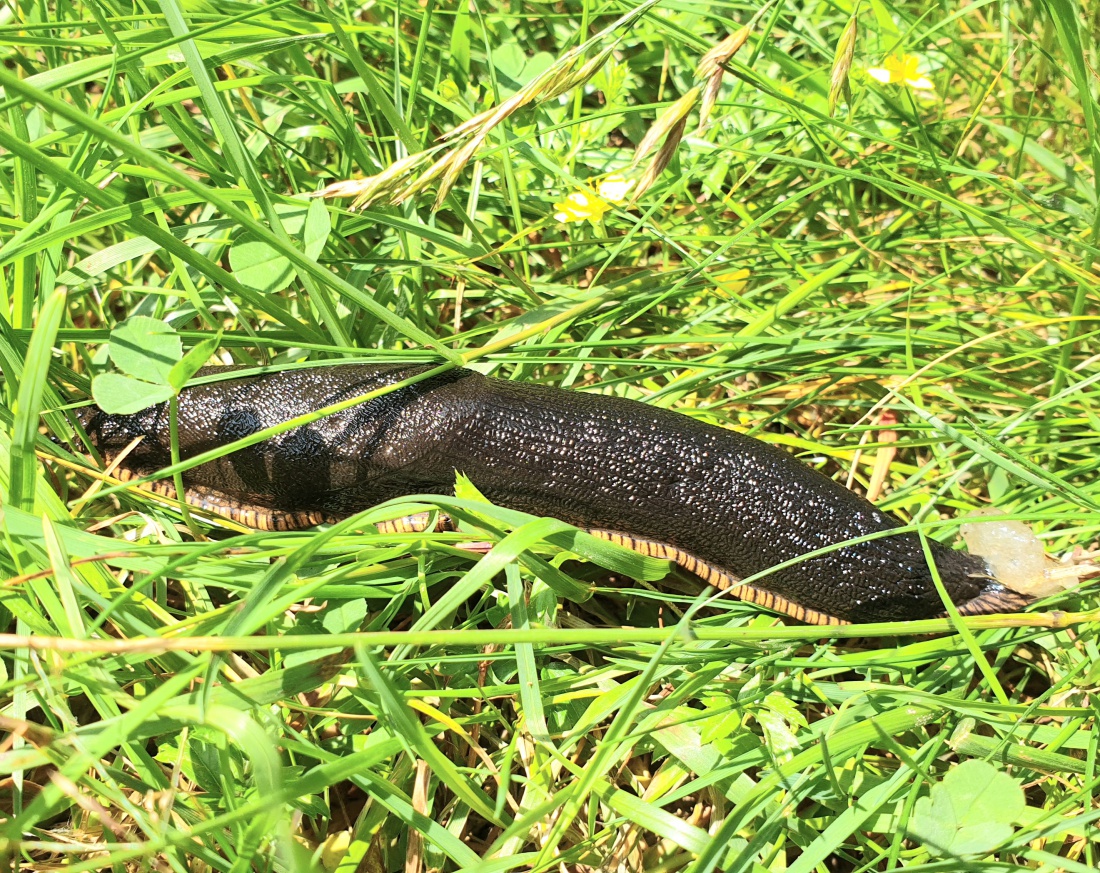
(722,504)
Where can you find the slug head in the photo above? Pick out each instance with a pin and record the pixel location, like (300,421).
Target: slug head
(963,574)
(110,434)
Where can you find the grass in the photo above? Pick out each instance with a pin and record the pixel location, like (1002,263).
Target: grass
(915,265)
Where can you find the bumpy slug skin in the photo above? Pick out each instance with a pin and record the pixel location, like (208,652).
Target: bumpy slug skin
(721,504)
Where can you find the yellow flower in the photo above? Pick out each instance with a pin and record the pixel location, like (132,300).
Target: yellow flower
(615,187)
(901,70)
(581,206)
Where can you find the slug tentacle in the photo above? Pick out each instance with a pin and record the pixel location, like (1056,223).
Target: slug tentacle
(721,504)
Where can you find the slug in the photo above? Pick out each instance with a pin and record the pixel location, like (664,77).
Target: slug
(721,504)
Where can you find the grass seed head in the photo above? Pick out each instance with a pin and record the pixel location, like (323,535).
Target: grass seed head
(664,154)
(666,122)
(842,65)
(712,63)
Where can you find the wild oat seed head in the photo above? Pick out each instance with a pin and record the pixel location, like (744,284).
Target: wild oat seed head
(842,65)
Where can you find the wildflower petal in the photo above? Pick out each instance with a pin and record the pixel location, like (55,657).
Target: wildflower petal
(615,187)
(580,206)
(902,70)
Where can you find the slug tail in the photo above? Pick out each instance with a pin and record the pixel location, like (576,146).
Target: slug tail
(719,578)
(996,599)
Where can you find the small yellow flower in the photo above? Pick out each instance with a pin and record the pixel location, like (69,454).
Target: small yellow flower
(615,188)
(901,70)
(581,206)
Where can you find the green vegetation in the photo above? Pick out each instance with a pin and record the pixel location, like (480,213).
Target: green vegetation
(901,290)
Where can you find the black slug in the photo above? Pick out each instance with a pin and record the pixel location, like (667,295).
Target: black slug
(719,503)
